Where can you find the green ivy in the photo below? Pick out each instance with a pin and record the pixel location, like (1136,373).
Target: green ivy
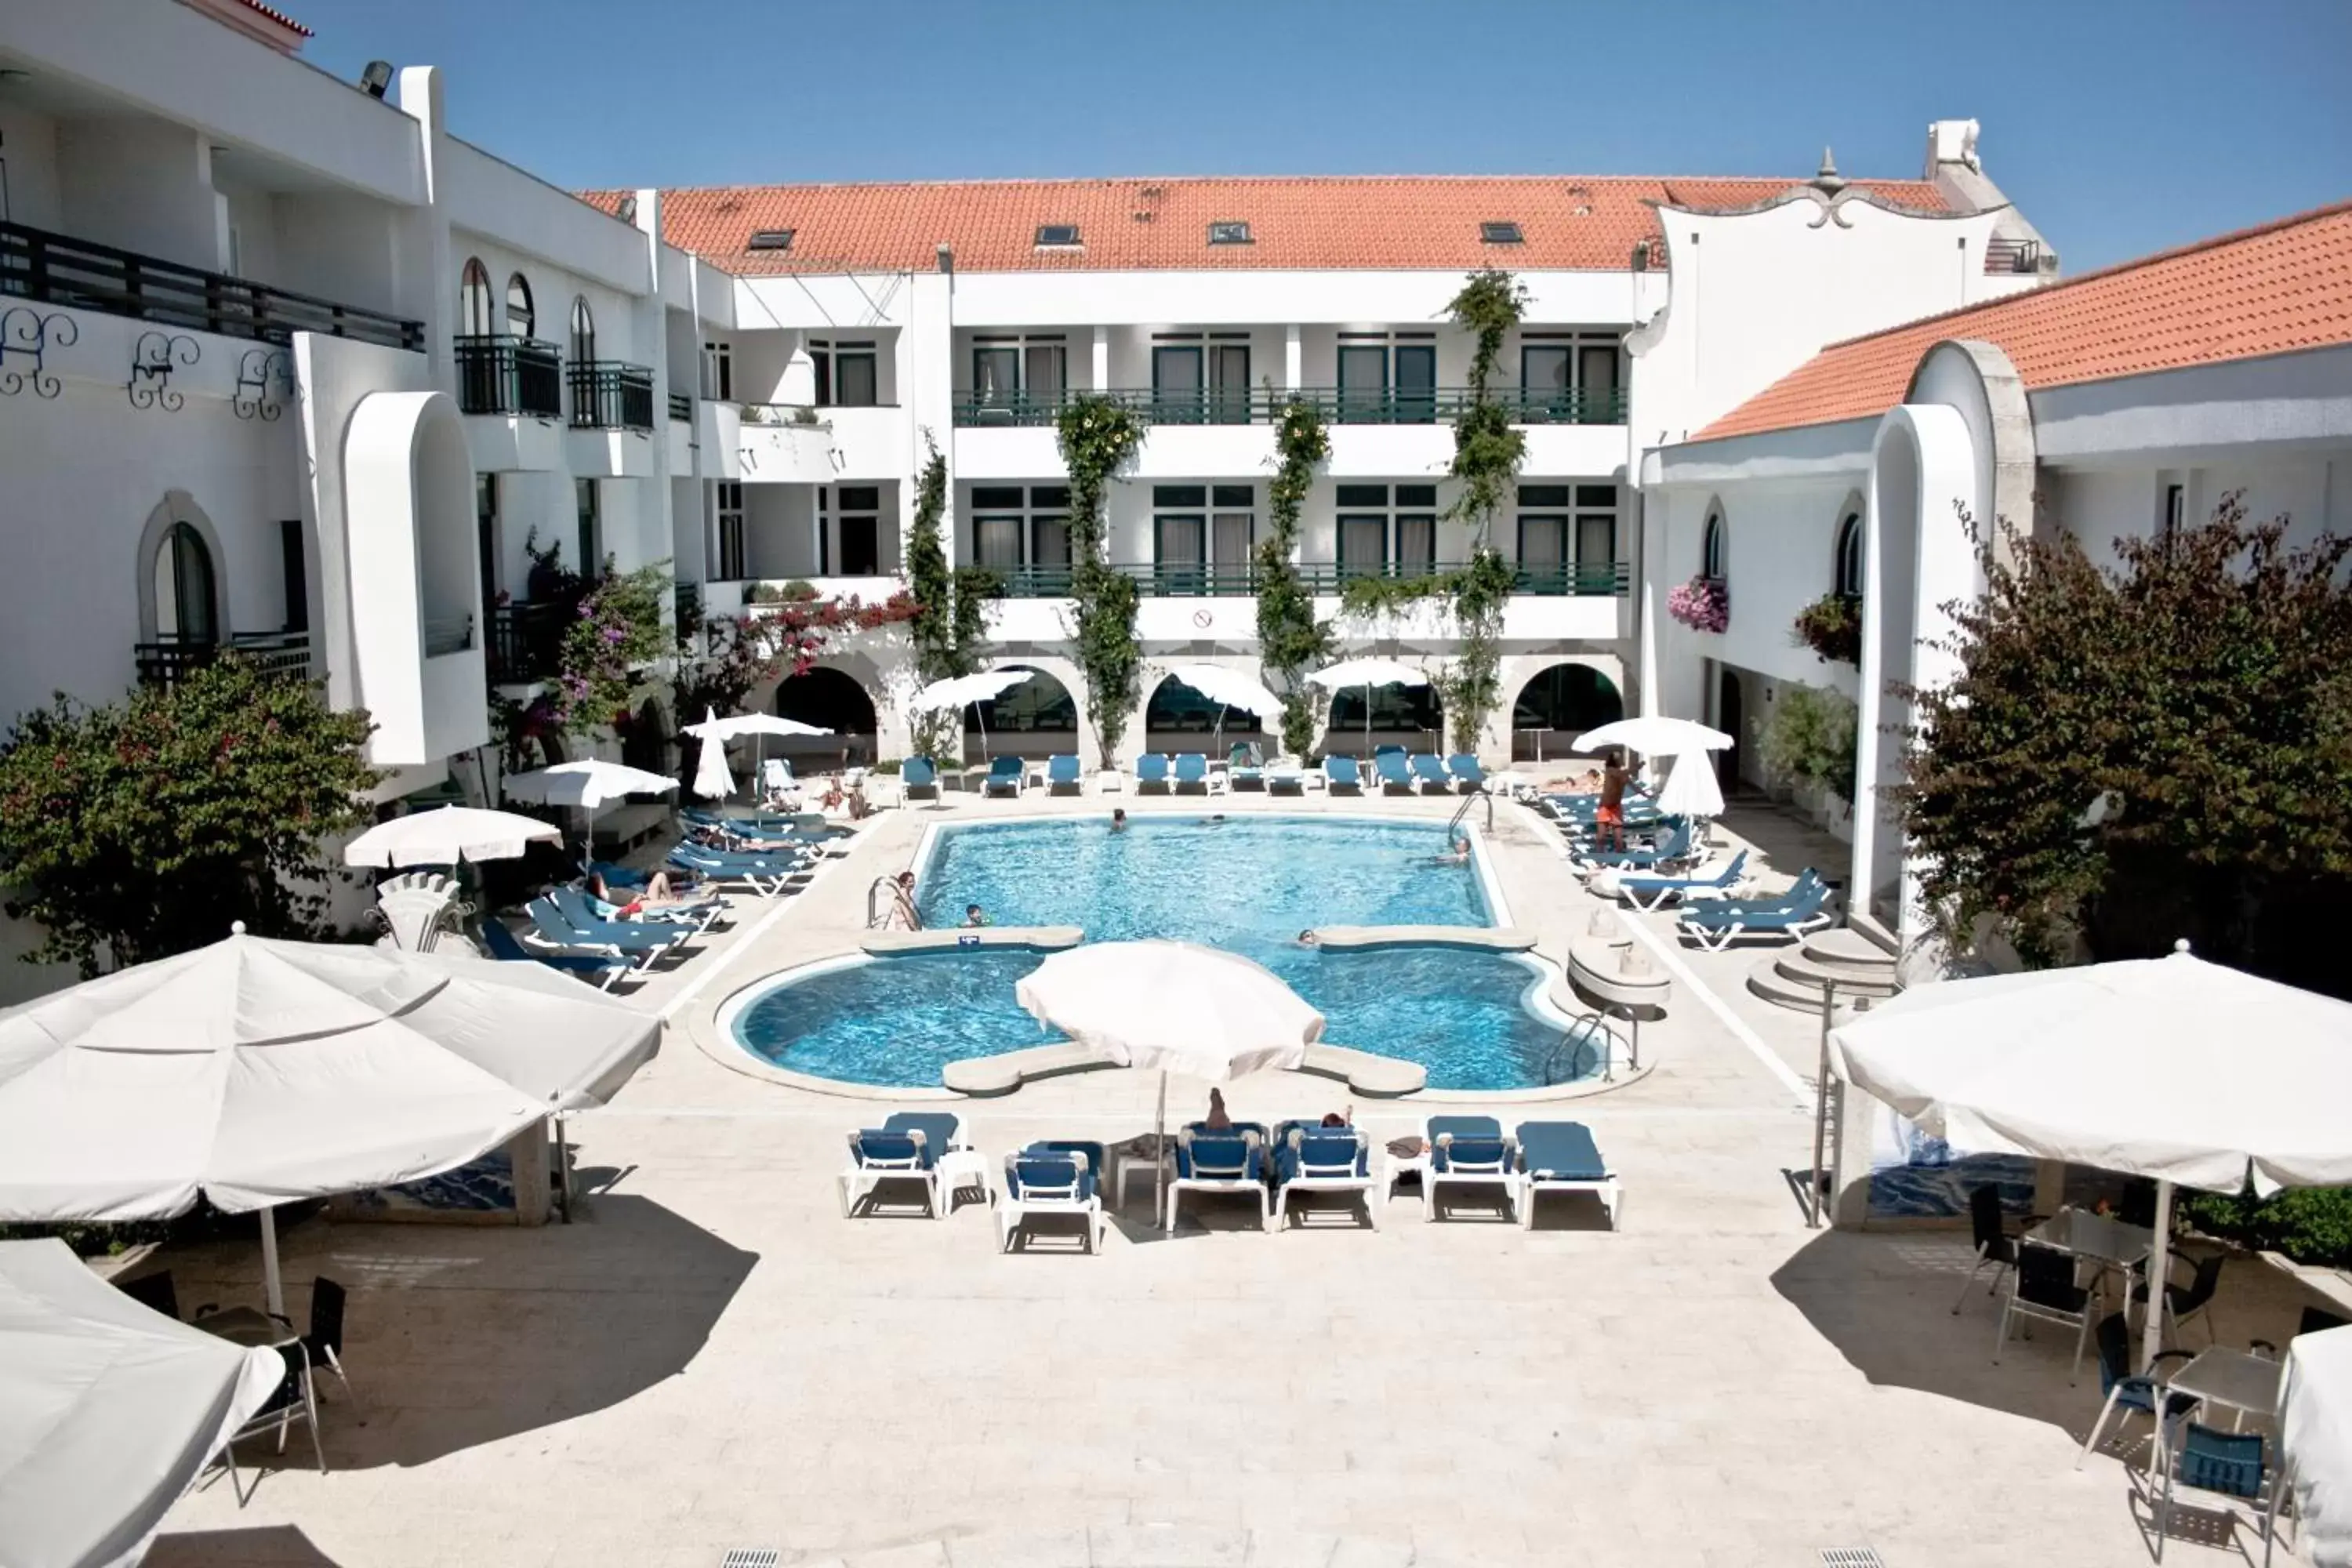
(949,623)
(1098,437)
(142,829)
(1291,641)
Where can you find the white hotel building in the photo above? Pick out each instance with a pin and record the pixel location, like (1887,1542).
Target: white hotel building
(285,363)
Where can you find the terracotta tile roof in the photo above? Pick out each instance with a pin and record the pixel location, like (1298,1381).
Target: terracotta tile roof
(280,17)
(2275,289)
(1569,222)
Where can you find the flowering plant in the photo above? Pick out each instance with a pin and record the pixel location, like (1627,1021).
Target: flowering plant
(1703,603)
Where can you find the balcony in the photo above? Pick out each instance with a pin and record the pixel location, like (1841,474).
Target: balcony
(607,394)
(166,662)
(526,641)
(509,375)
(55,269)
(1263,406)
(1165,580)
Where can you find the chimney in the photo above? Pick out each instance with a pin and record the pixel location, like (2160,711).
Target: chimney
(1951,141)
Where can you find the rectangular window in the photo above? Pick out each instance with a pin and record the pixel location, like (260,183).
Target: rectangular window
(996,542)
(996,498)
(2176,510)
(1052,498)
(1363,546)
(1416,495)
(591,530)
(995,377)
(1543,497)
(1364,381)
(1179,495)
(1416,548)
(1596,495)
(1180,550)
(730,531)
(298,586)
(854,382)
(486,533)
(1229,383)
(1416,383)
(1176,382)
(1547,392)
(1049,542)
(1234,495)
(1543,540)
(1363,495)
(823,533)
(1232,536)
(1596,372)
(820,360)
(1046,368)
(1596,541)
(719,372)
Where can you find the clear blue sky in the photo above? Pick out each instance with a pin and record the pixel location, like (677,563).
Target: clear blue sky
(2118,128)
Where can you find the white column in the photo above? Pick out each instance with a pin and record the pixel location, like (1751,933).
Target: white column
(656,534)
(1102,359)
(1293,358)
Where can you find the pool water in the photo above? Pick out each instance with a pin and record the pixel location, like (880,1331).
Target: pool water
(1249,886)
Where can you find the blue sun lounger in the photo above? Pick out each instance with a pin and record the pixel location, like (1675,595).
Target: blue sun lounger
(582,915)
(550,927)
(1227,1161)
(905,1148)
(1717,926)
(1466,1151)
(1323,1159)
(1003,776)
(1340,772)
(1674,847)
(1062,774)
(602,968)
(1430,773)
(1152,772)
(1395,774)
(1052,1179)
(916,774)
(1466,772)
(1654,892)
(766,874)
(1192,772)
(1560,1157)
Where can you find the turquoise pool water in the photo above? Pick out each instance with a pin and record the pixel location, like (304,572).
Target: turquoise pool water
(1248,885)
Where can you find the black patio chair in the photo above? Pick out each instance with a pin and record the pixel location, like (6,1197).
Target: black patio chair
(292,1400)
(2045,1289)
(2195,1298)
(324,1342)
(1992,1243)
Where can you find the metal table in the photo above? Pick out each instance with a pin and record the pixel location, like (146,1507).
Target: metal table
(2244,1383)
(249,1327)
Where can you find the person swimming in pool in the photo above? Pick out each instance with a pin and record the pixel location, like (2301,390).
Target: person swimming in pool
(973,916)
(1457,852)
(1119,819)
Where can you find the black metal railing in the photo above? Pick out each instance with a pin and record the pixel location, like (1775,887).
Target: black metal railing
(1263,406)
(526,641)
(690,603)
(1172,580)
(609,395)
(509,375)
(2012,256)
(681,406)
(59,270)
(167,660)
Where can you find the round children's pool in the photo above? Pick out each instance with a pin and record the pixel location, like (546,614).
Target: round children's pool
(1474,1018)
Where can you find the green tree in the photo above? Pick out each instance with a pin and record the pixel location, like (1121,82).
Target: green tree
(1290,639)
(144,829)
(2154,749)
(616,633)
(1098,437)
(950,622)
(1487,452)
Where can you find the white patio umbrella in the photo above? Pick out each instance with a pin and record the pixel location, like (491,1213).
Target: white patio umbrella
(448,836)
(712,779)
(964,690)
(1367,673)
(2316,1431)
(734,727)
(1654,735)
(2189,1072)
(1175,1006)
(107,1410)
(589,783)
(255,1072)
(1227,689)
(1691,788)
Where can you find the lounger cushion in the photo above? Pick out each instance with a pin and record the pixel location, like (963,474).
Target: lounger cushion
(1437,1126)
(1475,1154)
(875,1146)
(938,1128)
(1325,1151)
(1560,1152)
(1220,1156)
(1053,1173)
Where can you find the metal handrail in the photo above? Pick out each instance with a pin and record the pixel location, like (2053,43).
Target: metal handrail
(59,269)
(167,660)
(1265,405)
(502,375)
(1179,580)
(608,395)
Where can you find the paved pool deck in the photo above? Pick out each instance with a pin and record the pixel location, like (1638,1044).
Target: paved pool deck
(713,1358)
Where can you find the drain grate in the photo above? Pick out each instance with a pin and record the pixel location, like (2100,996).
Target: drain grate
(1851,1557)
(751,1557)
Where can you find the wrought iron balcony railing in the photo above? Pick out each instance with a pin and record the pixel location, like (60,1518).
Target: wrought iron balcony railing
(1263,406)
(56,270)
(509,375)
(526,641)
(607,394)
(167,661)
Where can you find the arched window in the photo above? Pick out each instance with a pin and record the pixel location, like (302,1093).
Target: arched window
(1711,557)
(520,314)
(474,300)
(184,587)
(584,331)
(1849,555)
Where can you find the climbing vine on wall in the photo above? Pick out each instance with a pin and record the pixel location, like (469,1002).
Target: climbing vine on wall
(1098,439)
(948,620)
(1290,639)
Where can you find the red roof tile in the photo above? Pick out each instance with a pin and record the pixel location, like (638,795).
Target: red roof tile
(1569,222)
(2275,289)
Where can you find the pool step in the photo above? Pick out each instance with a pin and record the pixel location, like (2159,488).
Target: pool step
(1795,978)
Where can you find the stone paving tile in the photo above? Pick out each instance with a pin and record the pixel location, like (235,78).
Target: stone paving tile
(712,1357)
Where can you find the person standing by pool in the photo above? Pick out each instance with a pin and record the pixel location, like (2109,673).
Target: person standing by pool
(902,903)
(1609,817)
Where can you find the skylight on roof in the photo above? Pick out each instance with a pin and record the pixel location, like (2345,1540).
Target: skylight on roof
(769,239)
(1501,233)
(1057,233)
(1230,233)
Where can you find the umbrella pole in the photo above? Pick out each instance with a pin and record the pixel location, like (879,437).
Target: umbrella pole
(273,1286)
(1160,1149)
(980,718)
(2159,1261)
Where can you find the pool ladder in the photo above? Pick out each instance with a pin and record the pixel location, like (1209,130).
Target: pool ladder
(1472,798)
(1589,1037)
(888,889)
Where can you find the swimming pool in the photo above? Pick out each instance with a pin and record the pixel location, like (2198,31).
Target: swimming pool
(1474,1018)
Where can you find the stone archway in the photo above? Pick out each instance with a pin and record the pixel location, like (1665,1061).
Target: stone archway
(831,699)
(178,540)
(1178,719)
(1038,718)
(1558,702)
